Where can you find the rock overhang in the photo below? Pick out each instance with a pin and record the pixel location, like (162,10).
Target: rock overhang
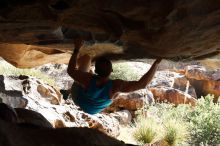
(145,28)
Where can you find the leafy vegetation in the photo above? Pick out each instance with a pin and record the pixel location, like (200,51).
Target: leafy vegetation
(125,71)
(7,69)
(204,122)
(185,125)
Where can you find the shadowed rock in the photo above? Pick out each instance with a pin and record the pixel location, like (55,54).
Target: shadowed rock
(11,135)
(147,28)
(32,117)
(30,128)
(8,114)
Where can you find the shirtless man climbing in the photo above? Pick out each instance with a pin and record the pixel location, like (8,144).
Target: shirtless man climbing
(94,92)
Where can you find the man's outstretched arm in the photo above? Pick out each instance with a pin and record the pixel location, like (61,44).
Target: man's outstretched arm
(81,77)
(128,86)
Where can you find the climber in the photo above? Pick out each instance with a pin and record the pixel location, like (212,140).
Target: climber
(94,92)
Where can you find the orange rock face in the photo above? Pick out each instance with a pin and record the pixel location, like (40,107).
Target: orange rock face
(205,82)
(26,56)
(185,86)
(131,101)
(171,95)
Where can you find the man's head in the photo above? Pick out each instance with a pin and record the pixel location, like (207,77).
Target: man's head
(103,67)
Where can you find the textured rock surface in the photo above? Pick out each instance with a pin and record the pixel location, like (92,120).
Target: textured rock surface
(205,82)
(48,102)
(124,117)
(173,87)
(131,101)
(16,89)
(171,95)
(192,82)
(173,80)
(59,73)
(148,28)
(12,93)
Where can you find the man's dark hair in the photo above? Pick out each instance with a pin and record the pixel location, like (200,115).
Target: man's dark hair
(103,67)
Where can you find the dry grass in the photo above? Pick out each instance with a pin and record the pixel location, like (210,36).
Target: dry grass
(210,64)
(147,131)
(175,132)
(8,69)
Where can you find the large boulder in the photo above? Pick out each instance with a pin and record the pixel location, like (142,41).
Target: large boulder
(16,90)
(172,87)
(171,95)
(191,82)
(12,92)
(205,82)
(26,116)
(23,117)
(46,100)
(148,28)
(172,79)
(131,101)
(12,135)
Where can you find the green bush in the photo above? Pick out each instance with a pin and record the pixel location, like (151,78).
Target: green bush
(124,71)
(199,125)
(204,122)
(8,69)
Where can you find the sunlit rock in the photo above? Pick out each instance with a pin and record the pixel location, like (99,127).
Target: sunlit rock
(174,80)
(46,100)
(171,95)
(131,101)
(205,82)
